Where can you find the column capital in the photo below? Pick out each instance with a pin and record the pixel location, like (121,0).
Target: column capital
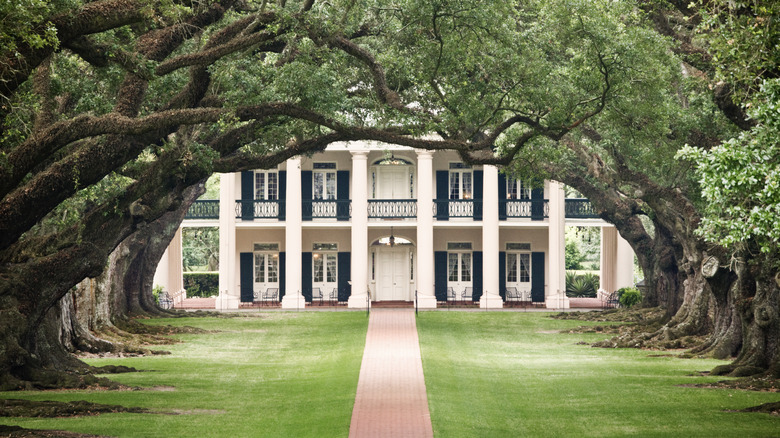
(359,154)
(424,154)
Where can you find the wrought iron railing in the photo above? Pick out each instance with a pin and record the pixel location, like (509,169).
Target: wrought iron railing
(392,208)
(580,208)
(203,209)
(457,208)
(340,209)
(524,208)
(259,209)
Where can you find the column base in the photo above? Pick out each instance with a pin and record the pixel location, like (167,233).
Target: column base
(226,302)
(426,302)
(491,302)
(557,302)
(293,301)
(358,302)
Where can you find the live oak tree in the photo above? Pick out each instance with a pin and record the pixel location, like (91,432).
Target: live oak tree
(119,108)
(115,111)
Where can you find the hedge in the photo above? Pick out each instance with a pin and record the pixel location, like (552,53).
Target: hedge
(201,284)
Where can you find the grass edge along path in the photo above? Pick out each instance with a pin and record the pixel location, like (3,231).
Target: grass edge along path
(510,374)
(277,374)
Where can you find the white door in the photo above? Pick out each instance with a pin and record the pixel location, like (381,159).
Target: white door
(393,274)
(394,183)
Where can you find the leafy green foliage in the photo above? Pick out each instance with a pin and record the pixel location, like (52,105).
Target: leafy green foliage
(574,257)
(740,179)
(200,249)
(581,285)
(201,284)
(629,296)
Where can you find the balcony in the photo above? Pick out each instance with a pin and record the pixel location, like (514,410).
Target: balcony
(205,209)
(457,208)
(260,209)
(340,209)
(534,209)
(580,208)
(392,208)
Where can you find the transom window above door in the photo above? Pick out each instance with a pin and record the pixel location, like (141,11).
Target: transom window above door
(324,181)
(266,185)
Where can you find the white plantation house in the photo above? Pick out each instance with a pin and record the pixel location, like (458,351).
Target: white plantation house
(366,222)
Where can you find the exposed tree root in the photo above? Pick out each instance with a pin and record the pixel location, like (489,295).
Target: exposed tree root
(20,432)
(52,409)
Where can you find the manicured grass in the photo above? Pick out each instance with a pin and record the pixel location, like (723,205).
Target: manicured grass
(282,375)
(507,374)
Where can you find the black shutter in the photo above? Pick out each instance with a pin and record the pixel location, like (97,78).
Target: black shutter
(342,195)
(501,197)
(502,274)
(440,275)
(476,275)
(247,195)
(306,276)
(246,262)
(345,268)
(537,204)
(306,181)
(537,277)
(282,195)
(282,274)
(442,197)
(478,193)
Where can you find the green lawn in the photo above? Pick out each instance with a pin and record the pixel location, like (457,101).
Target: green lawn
(283,375)
(503,374)
(488,375)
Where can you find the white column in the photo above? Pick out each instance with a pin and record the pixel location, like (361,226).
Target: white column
(359,257)
(229,291)
(490,293)
(175,267)
(608,257)
(556,283)
(624,269)
(293,298)
(426,298)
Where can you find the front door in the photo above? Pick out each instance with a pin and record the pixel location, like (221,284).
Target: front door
(394,183)
(393,274)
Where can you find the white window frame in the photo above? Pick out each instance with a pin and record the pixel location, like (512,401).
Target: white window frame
(325,175)
(518,189)
(457,189)
(267,192)
(270,257)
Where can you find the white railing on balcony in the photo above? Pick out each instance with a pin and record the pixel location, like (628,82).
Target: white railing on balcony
(392,208)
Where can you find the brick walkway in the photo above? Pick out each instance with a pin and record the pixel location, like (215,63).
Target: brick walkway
(391,399)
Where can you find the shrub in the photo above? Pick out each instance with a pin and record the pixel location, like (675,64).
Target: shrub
(157,291)
(629,296)
(581,286)
(201,284)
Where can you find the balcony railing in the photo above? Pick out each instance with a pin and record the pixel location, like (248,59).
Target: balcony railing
(457,208)
(340,209)
(259,209)
(537,209)
(203,209)
(392,208)
(580,208)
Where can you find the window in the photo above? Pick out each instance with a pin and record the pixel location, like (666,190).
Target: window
(324,181)
(266,185)
(459,267)
(324,263)
(461,181)
(266,262)
(517,189)
(518,264)
(459,262)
